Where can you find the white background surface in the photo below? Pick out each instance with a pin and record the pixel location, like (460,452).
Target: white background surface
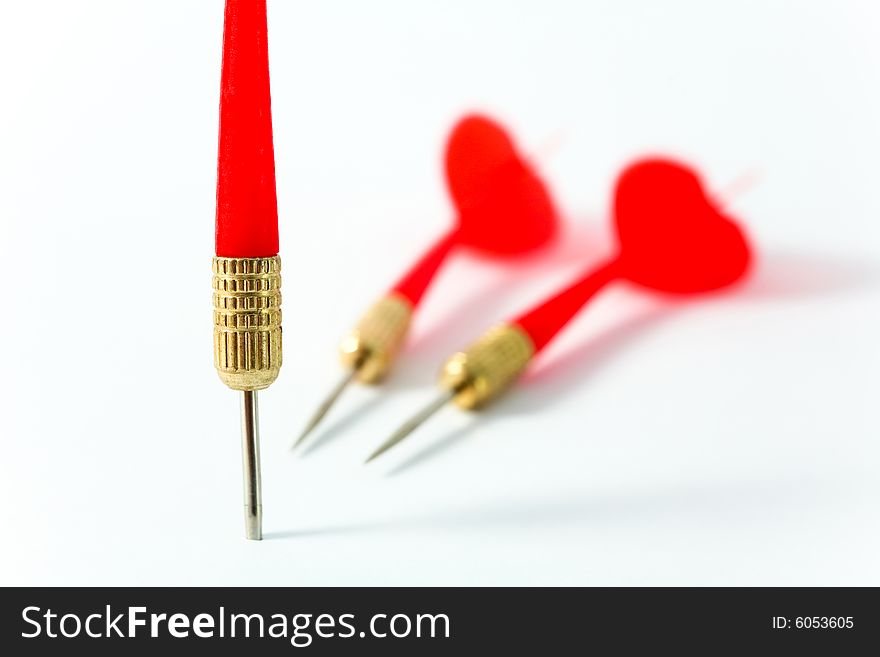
(728,441)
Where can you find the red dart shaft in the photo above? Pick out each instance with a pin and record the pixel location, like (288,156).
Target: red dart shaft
(247,215)
(415,282)
(545,320)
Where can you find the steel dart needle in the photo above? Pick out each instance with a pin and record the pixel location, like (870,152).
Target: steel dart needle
(326,405)
(250,460)
(413,423)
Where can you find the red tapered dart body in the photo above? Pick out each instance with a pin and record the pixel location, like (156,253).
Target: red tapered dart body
(503,209)
(247,278)
(672,238)
(247,214)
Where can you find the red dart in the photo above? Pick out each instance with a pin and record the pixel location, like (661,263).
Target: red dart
(672,238)
(503,209)
(247,279)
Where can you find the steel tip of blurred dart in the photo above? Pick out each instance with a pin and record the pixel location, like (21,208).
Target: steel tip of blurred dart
(325,406)
(412,424)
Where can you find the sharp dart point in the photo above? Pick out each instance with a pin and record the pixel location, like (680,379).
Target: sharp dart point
(325,406)
(413,423)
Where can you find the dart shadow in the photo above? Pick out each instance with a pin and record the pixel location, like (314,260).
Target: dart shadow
(566,373)
(447,442)
(601,511)
(789,275)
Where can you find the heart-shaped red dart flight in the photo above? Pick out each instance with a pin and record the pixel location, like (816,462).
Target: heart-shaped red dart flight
(672,238)
(502,207)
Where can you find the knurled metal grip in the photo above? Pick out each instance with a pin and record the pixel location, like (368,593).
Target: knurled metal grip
(247,321)
(488,366)
(370,347)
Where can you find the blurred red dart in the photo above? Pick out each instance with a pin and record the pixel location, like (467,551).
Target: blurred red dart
(672,238)
(503,209)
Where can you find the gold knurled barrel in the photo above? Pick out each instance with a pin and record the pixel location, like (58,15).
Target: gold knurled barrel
(370,347)
(247,321)
(488,366)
